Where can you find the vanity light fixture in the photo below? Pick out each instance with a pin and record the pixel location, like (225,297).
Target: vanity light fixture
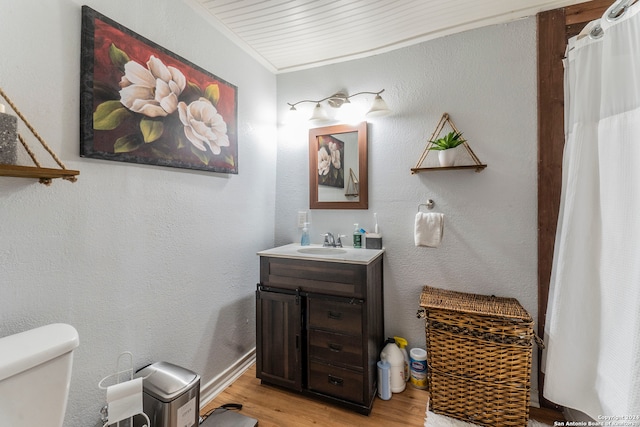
(378,108)
(319,113)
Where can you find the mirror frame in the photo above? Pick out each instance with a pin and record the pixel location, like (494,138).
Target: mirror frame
(363,186)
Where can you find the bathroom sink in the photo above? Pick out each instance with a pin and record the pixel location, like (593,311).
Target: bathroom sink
(322,251)
(316,252)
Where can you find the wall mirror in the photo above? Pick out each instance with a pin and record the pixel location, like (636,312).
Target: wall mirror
(338,167)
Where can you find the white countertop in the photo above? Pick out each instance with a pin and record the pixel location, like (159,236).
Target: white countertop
(347,254)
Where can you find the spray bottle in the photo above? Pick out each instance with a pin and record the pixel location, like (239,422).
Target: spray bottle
(402,343)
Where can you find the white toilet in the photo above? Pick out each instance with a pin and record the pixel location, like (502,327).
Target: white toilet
(35,373)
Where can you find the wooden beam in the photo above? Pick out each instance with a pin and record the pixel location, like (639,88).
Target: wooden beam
(551,46)
(585,12)
(579,15)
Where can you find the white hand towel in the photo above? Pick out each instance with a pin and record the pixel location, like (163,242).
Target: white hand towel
(429,229)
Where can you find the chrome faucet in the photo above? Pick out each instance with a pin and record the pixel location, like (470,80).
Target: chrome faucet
(330,240)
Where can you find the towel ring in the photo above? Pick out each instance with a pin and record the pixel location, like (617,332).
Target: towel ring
(429,205)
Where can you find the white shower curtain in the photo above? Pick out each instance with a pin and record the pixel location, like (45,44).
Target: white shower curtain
(592,331)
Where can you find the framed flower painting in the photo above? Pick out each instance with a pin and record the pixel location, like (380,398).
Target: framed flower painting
(141,103)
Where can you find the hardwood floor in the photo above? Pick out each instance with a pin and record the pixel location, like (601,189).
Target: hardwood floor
(276,407)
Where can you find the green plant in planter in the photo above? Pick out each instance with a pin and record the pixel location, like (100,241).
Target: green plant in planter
(450,140)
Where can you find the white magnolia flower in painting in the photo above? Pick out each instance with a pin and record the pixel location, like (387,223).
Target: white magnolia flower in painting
(152,91)
(335,154)
(324,161)
(203,125)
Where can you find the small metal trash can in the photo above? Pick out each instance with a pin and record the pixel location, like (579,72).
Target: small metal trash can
(171,396)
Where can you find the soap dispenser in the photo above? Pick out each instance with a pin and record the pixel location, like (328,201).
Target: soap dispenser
(305,240)
(357,237)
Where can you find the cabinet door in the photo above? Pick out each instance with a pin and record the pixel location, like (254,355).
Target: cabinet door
(278,339)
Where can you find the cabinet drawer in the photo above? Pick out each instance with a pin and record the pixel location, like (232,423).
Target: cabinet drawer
(335,381)
(335,348)
(337,316)
(328,278)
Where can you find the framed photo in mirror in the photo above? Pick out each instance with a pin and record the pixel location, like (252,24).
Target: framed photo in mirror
(338,167)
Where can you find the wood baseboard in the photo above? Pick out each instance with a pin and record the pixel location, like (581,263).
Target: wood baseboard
(217,385)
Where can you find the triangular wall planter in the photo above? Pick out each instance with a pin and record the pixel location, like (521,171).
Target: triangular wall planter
(444,120)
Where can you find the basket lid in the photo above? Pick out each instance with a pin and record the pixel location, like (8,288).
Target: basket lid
(486,305)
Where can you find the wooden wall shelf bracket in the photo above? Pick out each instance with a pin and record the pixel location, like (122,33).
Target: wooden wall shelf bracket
(44,175)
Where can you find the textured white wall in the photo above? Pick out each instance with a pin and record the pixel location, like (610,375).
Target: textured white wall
(486,80)
(157,261)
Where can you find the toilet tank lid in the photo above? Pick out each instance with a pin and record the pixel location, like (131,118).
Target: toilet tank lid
(24,350)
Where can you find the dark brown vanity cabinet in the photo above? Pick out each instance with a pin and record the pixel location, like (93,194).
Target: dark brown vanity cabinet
(320,328)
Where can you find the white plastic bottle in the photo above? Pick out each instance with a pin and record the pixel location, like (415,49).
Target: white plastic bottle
(402,343)
(392,354)
(384,380)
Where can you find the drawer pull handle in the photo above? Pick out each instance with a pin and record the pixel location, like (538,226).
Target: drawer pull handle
(334,315)
(335,380)
(334,347)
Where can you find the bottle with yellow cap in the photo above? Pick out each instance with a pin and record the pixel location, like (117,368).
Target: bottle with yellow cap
(402,343)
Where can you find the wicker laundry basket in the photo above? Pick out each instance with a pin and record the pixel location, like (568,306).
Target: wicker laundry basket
(479,351)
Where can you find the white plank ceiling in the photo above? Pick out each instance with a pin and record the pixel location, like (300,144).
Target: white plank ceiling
(289,35)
